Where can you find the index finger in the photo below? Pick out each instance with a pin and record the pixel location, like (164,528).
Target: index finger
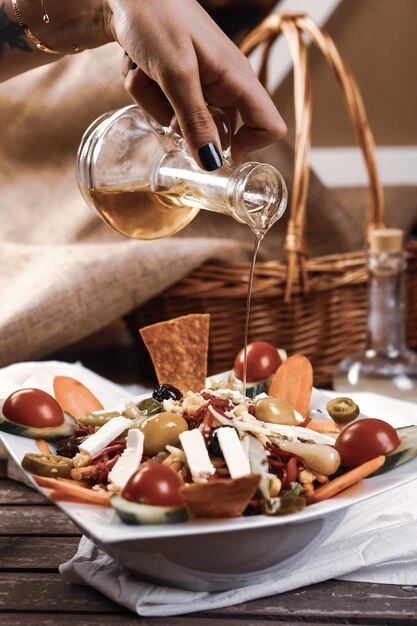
(262,123)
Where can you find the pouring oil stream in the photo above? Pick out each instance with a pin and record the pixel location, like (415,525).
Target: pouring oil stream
(258,238)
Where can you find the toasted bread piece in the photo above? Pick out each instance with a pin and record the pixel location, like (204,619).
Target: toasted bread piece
(179,349)
(221,498)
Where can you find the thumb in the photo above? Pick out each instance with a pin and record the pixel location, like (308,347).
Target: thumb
(197,125)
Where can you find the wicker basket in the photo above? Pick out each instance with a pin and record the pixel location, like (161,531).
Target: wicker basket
(314,306)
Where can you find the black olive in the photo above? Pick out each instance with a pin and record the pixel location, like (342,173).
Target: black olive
(68,448)
(166,392)
(214,446)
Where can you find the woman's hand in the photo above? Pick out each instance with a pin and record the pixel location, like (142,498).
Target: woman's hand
(182,61)
(177,61)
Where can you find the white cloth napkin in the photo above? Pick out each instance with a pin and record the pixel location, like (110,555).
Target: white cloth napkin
(375,541)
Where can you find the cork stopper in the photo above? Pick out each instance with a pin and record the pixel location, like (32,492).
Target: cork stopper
(386,240)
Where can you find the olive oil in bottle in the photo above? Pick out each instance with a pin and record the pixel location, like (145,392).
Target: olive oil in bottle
(139,213)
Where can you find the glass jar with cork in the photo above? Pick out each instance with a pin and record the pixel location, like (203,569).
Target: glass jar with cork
(386,366)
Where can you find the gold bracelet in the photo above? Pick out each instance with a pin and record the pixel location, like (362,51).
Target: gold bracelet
(40,46)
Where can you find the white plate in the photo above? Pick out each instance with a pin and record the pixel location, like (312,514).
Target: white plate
(212,554)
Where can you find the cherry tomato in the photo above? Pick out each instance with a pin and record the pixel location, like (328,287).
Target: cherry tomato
(366,439)
(154,483)
(263,360)
(33,407)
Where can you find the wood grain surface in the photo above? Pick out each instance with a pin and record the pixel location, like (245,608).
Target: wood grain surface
(35,537)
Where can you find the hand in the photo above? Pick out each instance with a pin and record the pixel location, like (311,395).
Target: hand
(183,61)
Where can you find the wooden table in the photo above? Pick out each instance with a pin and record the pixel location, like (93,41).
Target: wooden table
(35,537)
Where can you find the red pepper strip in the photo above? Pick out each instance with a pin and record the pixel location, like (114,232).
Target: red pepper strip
(276,463)
(304,423)
(191,421)
(284,464)
(207,426)
(201,411)
(292,470)
(276,451)
(112,448)
(83,431)
(103,476)
(220,404)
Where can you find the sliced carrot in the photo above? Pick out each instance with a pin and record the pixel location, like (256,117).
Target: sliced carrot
(335,486)
(62,496)
(43,481)
(74,397)
(78,473)
(80,483)
(323,426)
(43,447)
(87,495)
(293,382)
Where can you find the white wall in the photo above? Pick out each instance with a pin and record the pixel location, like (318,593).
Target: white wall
(339,166)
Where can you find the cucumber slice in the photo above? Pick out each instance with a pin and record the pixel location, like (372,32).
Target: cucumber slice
(406,451)
(135,513)
(252,389)
(63,431)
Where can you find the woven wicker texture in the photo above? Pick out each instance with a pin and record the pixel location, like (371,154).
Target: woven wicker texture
(317,307)
(326,324)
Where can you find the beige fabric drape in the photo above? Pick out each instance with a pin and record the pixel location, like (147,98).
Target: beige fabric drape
(63,272)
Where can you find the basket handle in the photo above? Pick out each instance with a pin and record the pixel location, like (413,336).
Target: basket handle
(293,27)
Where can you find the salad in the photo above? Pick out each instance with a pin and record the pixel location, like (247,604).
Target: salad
(201,448)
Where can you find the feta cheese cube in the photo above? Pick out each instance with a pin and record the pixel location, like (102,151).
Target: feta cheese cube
(195,450)
(96,442)
(129,461)
(236,460)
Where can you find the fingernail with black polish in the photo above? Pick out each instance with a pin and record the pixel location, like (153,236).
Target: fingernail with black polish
(210,157)
(133,65)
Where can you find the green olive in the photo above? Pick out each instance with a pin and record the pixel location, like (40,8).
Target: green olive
(275,411)
(162,430)
(342,410)
(97,419)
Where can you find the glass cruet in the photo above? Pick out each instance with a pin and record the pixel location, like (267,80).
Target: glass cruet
(386,366)
(142,180)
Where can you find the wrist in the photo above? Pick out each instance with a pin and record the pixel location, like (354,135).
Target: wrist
(72,26)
